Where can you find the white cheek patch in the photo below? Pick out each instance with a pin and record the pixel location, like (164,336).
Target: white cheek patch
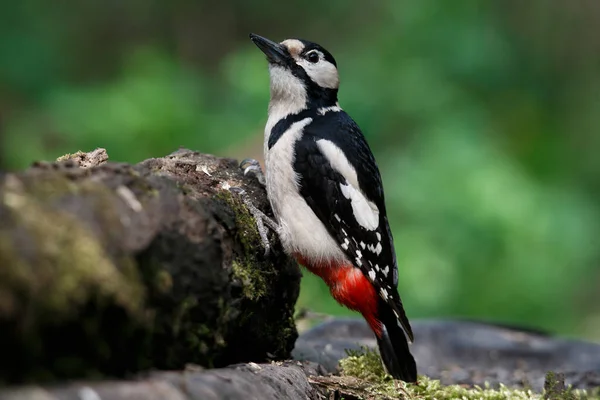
(323,73)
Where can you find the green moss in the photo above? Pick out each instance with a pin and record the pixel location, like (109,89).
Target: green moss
(195,339)
(244,267)
(163,281)
(433,389)
(182,313)
(253,282)
(365,364)
(287,331)
(248,234)
(51,186)
(260,280)
(554,387)
(8,257)
(47,188)
(66,263)
(372,382)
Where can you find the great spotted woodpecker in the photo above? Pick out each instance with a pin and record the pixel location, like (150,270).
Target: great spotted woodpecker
(327,195)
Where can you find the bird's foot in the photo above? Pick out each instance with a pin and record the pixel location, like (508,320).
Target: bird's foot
(262,221)
(251,166)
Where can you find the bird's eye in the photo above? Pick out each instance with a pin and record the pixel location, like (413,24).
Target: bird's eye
(313,57)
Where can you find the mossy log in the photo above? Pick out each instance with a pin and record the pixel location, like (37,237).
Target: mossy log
(108,269)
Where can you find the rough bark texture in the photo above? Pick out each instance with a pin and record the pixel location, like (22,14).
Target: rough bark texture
(278,381)
(108,269)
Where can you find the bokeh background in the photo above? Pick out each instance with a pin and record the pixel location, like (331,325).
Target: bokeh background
(483,115)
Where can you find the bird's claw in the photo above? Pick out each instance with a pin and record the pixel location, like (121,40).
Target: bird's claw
(262,221)
(252,167)
(239,191)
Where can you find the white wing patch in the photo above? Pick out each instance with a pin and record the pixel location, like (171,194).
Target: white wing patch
(365,212)
(338,160)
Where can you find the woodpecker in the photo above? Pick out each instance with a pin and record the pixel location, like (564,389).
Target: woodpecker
(327,196)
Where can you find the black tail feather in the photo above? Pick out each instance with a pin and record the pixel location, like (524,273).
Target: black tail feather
(393,347)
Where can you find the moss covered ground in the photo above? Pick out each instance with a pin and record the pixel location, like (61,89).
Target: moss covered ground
(363,377)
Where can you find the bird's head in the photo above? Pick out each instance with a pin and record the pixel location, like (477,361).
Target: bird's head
(300,71)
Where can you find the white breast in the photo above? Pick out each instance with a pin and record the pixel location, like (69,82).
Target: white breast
(300,230)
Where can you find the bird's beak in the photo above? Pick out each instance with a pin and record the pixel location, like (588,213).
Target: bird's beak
(275,52)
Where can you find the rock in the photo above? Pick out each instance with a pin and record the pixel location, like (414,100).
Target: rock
(465,352)
(327,342)
(109,269)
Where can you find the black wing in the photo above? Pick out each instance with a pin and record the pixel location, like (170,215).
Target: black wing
(321,185)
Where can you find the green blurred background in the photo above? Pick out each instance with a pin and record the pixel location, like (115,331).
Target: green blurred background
(483,116)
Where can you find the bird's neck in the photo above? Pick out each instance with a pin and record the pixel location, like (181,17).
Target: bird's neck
(318,97)
(280,109)
(282,106)
(292,94)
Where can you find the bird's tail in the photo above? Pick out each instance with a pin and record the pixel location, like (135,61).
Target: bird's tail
(393,347)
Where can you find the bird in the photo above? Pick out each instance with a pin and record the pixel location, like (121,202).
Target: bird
(327,196)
